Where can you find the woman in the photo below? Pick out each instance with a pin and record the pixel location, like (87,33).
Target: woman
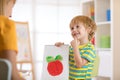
(8,40)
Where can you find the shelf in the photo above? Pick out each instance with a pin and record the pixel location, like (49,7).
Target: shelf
(101,8)
(105,67)
(100,11)
(103,49)
(88,8)
(103,23)
(103,35)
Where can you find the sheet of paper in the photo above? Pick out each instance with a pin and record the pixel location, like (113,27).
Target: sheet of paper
(55,63)
(24,51)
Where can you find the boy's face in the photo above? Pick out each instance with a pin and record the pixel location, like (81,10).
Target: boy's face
(79,32)
(8,9)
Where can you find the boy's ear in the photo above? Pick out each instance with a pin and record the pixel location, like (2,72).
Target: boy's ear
(89,29)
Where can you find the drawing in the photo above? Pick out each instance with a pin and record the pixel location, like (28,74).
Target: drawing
(55,63)
(24,51)
(55,66)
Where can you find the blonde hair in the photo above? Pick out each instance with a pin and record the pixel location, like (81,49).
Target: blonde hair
(87,22)
(3,4)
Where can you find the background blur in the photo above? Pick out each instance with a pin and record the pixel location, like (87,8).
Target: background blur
(48,23)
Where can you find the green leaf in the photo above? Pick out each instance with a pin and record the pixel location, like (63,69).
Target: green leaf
(58,57)
(50,59)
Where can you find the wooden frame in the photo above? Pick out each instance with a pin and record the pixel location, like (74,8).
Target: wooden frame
(24,48)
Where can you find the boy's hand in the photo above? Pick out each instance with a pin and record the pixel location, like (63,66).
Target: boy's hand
(75,43)
(58,44)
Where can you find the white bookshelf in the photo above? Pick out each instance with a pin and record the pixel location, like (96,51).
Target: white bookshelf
(103,36)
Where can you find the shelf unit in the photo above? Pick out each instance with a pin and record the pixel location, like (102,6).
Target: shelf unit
(99,11)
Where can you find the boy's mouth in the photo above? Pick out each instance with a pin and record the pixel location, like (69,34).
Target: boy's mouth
(76,35)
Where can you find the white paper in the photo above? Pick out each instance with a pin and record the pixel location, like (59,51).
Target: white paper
(51,50)
(24,51)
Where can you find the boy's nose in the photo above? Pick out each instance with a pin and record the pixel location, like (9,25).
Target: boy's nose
(74,29)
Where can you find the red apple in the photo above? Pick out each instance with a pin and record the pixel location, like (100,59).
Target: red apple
(55,67)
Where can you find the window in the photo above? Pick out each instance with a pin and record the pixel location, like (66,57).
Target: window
(49,23)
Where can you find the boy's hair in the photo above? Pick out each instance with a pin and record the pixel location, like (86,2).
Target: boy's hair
(3,4)
(87,22)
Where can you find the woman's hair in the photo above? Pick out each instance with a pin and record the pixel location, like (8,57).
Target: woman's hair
(87,22)
(3,4)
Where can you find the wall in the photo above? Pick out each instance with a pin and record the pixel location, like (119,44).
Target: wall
(116,39)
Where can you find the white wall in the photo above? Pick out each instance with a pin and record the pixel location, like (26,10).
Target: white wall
(116,40)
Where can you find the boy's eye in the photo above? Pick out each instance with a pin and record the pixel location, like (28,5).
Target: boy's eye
(72,28)
(77,26)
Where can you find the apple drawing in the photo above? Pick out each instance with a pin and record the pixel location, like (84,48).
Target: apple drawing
(55,66)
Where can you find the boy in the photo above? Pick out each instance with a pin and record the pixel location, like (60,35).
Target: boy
(82,51)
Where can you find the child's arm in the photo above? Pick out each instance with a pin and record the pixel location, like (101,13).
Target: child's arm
(79,61)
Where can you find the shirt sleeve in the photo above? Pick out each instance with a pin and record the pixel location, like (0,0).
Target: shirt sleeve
(89,54)
(8,38)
